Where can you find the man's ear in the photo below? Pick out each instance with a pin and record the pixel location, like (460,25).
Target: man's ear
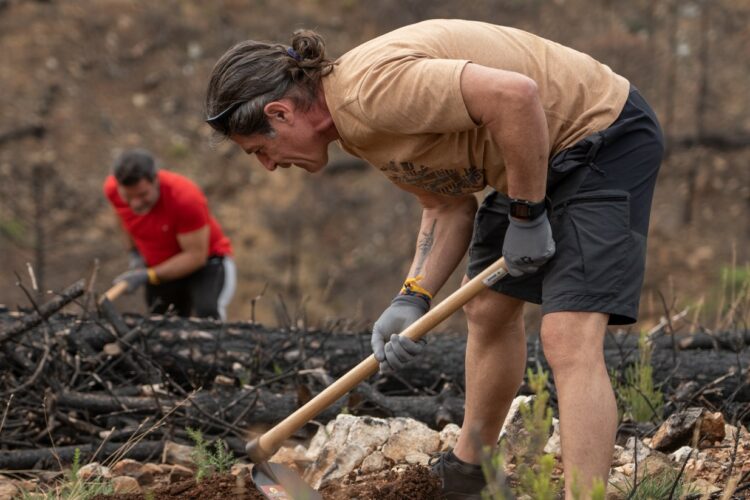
(280,111)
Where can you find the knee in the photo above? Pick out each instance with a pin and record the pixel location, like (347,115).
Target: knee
(559,351)
(570,348)
(492,312)
(573,340)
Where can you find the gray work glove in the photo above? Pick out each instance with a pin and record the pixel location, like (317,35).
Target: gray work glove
(135,260)
(135,278)
(528,245)
(390,349)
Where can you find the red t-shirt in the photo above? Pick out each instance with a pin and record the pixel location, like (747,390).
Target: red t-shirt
(181,208)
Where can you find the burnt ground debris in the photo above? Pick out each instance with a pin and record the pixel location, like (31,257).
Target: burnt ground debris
(414,483)
(80,380)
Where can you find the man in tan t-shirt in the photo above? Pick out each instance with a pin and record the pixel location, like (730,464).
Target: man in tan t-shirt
(446,108)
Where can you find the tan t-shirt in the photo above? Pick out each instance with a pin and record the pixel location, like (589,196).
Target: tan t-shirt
(396,100)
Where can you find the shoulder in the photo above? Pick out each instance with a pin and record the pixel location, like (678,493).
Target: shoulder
(179,188)
(110,188)
(177,183)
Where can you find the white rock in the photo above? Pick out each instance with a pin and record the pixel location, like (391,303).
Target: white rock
(417,458)
(126,467)
(553,446)
(317,442)
(617,456)
(374,462)
(369,432)
(94,470)
(513,432)
(342,445)
(681,454)
(449,437)
(177,454)
(179,473)
(8,489)
(626,469)
(409,436)
(628,454)
(618,486)
(730,433)
(334,463)
(125,484)
(702,487)
(513,418)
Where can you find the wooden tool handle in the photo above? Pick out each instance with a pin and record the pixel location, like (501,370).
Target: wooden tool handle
(114,292)
(261,448)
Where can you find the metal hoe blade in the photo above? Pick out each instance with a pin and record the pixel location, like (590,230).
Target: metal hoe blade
(278,482)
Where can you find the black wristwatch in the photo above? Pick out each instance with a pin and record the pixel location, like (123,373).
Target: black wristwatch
(526,210)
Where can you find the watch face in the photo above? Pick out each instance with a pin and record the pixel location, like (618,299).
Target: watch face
(520,210)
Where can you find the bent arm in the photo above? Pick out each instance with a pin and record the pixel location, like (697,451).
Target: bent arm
(508,104)
(193,256)
(444,236)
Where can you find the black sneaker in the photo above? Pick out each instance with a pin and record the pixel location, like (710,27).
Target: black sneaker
(461,480)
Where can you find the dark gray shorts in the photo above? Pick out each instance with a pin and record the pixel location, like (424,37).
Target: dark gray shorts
(599,228)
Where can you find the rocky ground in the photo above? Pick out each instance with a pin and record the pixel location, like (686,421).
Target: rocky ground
(124,395)
(376,458)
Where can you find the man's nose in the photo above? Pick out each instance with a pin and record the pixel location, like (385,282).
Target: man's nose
(267,163)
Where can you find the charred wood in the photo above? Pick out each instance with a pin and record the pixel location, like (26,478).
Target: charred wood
(47,458)
(45,310)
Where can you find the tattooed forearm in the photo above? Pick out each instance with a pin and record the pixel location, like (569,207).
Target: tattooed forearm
(424,245)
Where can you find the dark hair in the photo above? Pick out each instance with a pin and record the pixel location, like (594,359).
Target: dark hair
(251,74)
(134,165)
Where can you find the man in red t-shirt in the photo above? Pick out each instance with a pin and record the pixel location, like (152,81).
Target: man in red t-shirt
(178,250)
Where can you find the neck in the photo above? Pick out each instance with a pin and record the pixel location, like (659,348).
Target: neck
(323,120)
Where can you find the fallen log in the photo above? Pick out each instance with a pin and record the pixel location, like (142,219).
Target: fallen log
(47,458)
(245,407)
(202,354)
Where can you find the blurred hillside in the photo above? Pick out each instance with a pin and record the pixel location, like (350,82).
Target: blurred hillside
(83,79)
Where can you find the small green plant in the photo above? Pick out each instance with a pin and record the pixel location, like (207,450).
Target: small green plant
(209,460)
(598,490)
(75,467)
(493,468)
(534,469)
(641,399)
(665,484)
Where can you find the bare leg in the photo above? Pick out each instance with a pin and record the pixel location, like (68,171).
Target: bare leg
(495,363)
(573,345)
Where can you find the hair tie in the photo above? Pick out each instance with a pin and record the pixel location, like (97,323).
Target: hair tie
(293,54)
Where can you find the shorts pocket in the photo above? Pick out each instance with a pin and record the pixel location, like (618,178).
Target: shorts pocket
(594,241)
(490,224)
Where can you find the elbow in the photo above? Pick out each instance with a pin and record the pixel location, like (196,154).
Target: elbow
(199,260)
(466,203)
(524,91)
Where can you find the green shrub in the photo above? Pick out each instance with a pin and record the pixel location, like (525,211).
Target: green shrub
(209,460)
(534,469)
(641,400)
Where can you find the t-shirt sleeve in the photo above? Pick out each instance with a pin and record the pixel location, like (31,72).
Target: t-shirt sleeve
(415,95)
(110,191)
